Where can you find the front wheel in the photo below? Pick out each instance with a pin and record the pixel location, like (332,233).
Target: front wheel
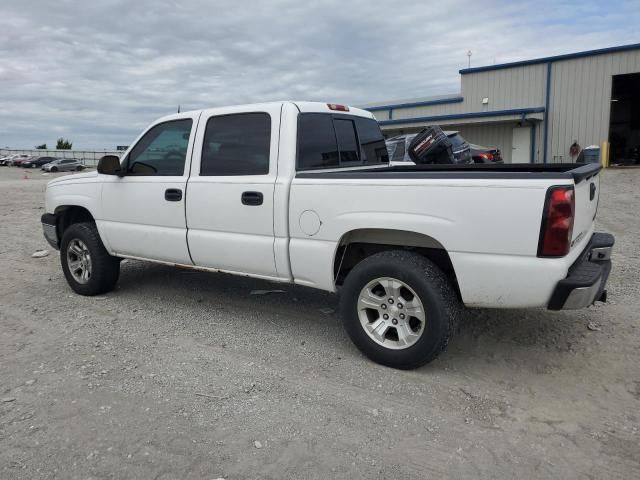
(54,169)
(399,309)
(87,266)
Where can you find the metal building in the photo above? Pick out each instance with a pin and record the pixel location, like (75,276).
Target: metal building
(534,110)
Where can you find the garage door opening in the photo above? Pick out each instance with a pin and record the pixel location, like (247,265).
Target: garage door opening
(624,128)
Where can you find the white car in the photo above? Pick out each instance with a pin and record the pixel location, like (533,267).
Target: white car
(301,192)
(9,160)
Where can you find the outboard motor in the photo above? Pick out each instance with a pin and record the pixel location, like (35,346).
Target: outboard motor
(431,145)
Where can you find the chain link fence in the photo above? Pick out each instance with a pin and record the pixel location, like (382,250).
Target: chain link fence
(89,158)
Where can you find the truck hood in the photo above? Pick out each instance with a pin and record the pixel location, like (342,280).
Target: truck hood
(75,178)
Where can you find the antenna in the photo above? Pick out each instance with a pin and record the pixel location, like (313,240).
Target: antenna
(178,108)
(469,53)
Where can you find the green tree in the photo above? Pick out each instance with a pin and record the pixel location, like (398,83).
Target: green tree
(41,147)
(63,144)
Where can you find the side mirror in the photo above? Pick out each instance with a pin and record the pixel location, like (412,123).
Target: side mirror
(109,165)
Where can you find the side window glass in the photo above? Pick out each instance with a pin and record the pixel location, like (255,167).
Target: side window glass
(398,155)
(329,141)
(317,147)
(347,141)
(373,146)
(162,150)
(236,144)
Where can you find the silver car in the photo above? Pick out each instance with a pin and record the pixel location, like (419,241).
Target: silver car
(63,165)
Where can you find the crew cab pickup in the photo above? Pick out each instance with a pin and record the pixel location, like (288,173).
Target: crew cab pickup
(302,192)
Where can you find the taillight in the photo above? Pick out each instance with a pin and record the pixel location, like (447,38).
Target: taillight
(337,107)
(487,156)
(557,222)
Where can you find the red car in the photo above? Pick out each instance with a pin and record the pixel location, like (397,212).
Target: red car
(485,155)
(17,162)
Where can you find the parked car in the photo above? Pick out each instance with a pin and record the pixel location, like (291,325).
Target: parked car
(34,162)
(301,192)
(16,159)
(63,165)
(485,155)
(398,147)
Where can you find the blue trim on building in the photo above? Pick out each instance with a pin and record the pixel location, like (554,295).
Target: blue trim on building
(459,116)
(546,109)
(426,103)
(556,58)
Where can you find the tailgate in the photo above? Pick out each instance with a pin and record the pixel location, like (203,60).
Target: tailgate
(587,192)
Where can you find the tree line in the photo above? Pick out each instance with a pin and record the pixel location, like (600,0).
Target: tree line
(62,144)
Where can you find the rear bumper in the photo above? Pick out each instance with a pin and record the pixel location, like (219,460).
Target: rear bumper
(50,230)
(587,278)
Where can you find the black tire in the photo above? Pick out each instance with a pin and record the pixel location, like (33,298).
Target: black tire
(54,169)
(78,168)
(105,269)
(440,303)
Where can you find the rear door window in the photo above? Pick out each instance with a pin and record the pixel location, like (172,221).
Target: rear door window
(236,144)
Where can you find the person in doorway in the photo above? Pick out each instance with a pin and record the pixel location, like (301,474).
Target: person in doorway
(574,150)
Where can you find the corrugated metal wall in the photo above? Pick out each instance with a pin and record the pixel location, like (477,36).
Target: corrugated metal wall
(498,136)
(427,111)
(579,103)
(580,100)
(519,87)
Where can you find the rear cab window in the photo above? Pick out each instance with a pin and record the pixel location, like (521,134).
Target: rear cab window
(327,140)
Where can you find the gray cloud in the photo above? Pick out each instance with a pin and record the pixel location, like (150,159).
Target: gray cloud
(98,72)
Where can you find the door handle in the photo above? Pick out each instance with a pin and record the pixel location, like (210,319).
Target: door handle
(173,194)
(252,198)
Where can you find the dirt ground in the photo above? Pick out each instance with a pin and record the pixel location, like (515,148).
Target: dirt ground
(187,375)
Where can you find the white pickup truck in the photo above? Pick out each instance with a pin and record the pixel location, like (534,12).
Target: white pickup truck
(302,192)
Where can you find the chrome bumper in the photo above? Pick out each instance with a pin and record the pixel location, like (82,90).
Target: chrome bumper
(582,297)
(50,230)
(587,278)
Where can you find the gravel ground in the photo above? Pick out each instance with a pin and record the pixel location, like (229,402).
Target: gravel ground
(181,374)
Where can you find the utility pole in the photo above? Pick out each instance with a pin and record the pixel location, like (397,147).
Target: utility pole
(469,53)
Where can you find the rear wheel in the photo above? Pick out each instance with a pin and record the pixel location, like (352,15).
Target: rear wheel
(54,169)
(78,168)
(399,309)
(87,266)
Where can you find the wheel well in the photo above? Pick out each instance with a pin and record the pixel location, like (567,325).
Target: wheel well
(357,245)
(67,215)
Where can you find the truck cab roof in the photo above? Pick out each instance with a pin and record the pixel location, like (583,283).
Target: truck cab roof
(302,106)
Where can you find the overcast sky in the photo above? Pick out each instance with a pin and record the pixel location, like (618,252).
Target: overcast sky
(98,72)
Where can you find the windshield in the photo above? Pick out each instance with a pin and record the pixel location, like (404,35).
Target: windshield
(457,142)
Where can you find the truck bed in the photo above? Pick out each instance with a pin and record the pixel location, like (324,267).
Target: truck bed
(569,171)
